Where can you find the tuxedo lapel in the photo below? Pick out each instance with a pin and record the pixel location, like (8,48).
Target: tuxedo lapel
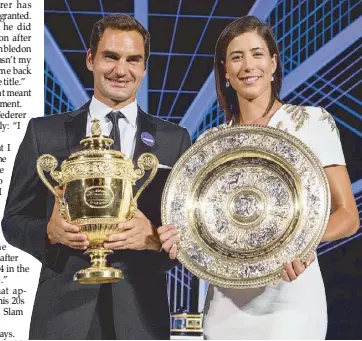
(144,125)
(76,127)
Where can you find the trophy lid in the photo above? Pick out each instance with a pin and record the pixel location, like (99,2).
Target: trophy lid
(96,141)
(97,145)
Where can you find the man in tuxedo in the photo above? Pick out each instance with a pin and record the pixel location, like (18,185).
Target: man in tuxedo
(137,306)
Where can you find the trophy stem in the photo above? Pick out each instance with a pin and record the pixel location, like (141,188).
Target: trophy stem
(98,272)
(98,257)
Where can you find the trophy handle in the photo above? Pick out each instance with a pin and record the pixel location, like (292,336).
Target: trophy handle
(146,161)
(48,163)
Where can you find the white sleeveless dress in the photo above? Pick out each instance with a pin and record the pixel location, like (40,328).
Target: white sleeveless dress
(286,310)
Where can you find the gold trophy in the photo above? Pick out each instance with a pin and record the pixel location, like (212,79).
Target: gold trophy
(97,195)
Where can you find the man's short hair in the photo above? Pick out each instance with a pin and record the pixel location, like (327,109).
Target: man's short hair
(122,22)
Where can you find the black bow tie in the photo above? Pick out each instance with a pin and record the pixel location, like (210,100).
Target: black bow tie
(114,116)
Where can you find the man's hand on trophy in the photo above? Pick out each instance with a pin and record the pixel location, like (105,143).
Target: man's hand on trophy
(169,237)
(59,231)
(137,234)
(297,267)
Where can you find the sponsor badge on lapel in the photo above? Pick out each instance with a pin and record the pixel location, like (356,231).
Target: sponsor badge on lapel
(147,139)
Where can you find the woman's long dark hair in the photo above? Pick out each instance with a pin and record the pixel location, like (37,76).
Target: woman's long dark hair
(227,97)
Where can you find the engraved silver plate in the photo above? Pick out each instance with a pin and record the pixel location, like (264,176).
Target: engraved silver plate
(247,200)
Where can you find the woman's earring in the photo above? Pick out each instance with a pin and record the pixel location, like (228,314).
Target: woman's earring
(227,84)
(272,79)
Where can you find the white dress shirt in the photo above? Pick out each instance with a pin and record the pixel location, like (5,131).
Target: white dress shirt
(127,125)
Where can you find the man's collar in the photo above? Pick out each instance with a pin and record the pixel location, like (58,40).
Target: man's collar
(99,110)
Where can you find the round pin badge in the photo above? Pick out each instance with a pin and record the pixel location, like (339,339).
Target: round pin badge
(147,139)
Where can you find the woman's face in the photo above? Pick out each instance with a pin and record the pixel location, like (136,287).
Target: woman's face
(249,67)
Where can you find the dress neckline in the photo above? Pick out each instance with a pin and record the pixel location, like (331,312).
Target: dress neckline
(277,112)
(274,117)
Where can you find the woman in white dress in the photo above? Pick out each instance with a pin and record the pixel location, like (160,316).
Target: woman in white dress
(248,75)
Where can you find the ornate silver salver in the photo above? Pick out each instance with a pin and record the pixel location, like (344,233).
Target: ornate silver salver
(247,200)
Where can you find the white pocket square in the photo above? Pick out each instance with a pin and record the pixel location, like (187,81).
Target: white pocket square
(164,166)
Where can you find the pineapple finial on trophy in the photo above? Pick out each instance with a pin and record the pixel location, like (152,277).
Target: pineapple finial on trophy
(96,128)
(96,141)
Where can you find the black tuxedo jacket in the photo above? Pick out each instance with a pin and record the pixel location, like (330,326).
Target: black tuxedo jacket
(63,309)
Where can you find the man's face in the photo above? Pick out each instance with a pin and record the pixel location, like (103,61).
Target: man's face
(118,67)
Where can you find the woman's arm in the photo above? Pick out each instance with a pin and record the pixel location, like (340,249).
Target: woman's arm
(344,220)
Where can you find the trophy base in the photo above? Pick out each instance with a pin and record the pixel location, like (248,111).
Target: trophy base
(96,275)
(98,272)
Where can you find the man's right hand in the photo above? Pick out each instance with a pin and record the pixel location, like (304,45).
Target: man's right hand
(59,231)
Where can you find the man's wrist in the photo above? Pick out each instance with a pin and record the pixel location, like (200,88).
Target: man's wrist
(154,242)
